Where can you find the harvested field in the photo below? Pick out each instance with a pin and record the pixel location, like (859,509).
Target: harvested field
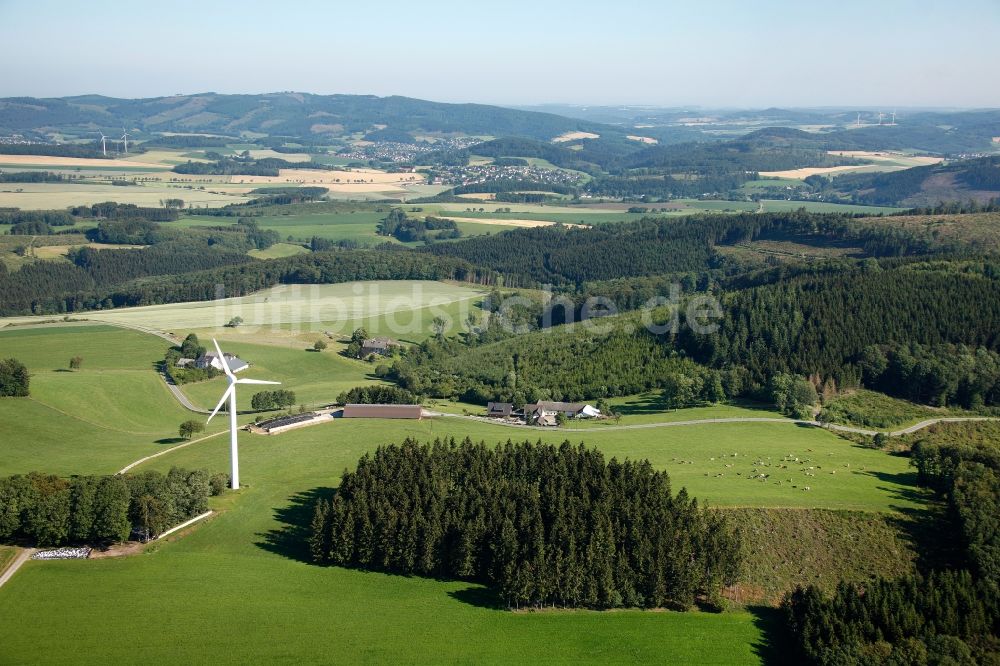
(71,162)
(573,136)
(883,156)
(641,139)
(509,222)
(53,251)
(802,174)
(879,161)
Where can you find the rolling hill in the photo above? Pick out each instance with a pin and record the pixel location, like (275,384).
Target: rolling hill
(291,114)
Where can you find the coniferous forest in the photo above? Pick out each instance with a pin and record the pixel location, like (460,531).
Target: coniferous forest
(540,525)
(949,614)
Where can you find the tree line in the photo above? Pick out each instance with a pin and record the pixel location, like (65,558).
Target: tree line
(657,246)
(939,375)
(49,510)
(407,229)
(377,395)
(31,177)
(541,525)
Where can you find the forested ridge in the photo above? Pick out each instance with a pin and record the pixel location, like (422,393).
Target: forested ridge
(654,246)
(51,287)
(616,357)
(542,525)
(823,324)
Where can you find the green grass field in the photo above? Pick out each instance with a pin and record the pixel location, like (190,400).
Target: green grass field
(98,419)
(244,570)
(316,377)
(356,226)
(877,410)
(236,588)
(298,314)
(7,555)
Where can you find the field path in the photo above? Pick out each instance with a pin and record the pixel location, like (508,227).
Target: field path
(166,451)
(21,558)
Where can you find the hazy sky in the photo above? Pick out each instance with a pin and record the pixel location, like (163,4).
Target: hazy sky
(710,52)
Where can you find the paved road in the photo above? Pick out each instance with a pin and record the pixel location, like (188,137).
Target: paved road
(21,558)
(735,419)
(181,398)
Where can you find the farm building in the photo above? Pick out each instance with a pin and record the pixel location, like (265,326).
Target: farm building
(283,423)
(500,410)
(379,346)
(383,412)
(211,360)
(545,413)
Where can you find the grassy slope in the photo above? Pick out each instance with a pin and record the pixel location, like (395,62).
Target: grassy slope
(7,554)
(316,377)
(784,548)
(979,229)
(237,576)
(114,410)
(305,308)
(877,410)
(240,575)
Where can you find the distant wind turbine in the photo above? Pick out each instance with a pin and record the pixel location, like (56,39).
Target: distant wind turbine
(125,138)
(104,144)
(230,395)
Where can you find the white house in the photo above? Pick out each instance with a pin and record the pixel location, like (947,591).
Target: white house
(544,412)
(211,360)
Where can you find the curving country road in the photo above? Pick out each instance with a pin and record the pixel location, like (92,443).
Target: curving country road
(187,404)
(734,419)
(181,398)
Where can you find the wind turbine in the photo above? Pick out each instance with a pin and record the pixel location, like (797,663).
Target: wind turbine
(104,144)
(230,394)
(125,139)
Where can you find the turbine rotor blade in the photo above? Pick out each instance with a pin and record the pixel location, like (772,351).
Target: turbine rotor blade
(222,359)
(254,381)
(222,401)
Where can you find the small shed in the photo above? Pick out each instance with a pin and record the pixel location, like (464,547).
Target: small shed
(355,411)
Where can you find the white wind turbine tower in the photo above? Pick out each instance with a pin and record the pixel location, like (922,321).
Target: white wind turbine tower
(125,138)
(104,144)
(230,394)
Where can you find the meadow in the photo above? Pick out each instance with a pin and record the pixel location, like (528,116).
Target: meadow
(401,307)
(112,411)
(245,567)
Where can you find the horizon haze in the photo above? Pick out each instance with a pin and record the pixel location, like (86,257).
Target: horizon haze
(721,54)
